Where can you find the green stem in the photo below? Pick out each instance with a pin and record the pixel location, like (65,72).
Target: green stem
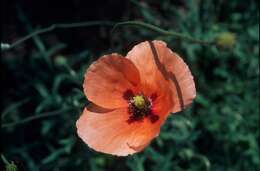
(4,159)
(5,46)
(60,26)
(161,31)
(39,116)
(13,107)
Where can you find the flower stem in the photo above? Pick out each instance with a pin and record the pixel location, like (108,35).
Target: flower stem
(4,159)
(39,116)
(6,46)
(56,26)
(162,31)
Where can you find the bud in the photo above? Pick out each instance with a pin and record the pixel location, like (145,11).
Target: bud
(186,153)
(5,46)
(225,40)
(60,61)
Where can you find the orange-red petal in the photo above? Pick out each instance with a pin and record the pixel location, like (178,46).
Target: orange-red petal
(179,75)
(151,80)
(155,60)
(108,131)
(108,79)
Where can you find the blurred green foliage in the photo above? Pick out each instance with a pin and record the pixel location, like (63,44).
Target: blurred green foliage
(43,95)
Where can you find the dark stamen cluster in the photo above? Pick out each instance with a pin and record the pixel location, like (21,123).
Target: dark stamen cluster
(137,114)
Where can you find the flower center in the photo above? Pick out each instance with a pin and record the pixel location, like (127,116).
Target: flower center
(139,107)
(139,101)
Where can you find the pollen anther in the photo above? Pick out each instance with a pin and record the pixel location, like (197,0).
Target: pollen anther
(139,101)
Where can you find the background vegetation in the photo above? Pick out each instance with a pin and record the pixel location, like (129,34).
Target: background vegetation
(42,84)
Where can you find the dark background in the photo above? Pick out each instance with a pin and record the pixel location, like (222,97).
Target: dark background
(43,76)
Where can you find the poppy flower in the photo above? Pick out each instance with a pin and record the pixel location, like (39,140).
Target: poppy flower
(132,96)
